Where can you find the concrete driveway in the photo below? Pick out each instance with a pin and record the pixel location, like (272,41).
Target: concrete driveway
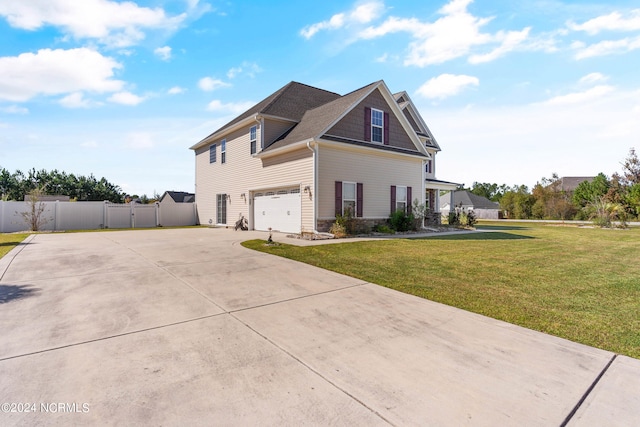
(186,327)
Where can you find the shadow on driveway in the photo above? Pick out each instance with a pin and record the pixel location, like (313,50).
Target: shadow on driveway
(9,293)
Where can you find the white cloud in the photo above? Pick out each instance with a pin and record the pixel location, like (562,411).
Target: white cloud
(509,41)
(594,93)
(362,13)
(139,140)
(125,98)
(248,68)
(528,142)
(614,21)
(176,90)
(163,53)
(446,85)
(14,109)
(208,84)
(606,47)
(455,34)
(54,72)
(593,78)
(75,100)
(116,24)
(232,108)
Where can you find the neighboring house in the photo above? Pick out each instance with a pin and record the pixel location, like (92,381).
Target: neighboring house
(482,207)
(570,183)
(303,155)
(177,197)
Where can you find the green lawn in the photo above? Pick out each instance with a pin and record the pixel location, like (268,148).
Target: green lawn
(582,284)
(10,241)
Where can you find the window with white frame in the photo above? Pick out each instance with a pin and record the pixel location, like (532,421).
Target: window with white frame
(212,153)
(349,193)
(223,151)
(428,167)
(253,137)
(401,198)
(377,125)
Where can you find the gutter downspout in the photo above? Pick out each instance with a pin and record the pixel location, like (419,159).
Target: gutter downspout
(315,185)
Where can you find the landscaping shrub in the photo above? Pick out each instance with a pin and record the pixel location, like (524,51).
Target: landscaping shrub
(381,228)
(401,221)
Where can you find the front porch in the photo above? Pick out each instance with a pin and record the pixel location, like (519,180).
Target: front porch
(433,189)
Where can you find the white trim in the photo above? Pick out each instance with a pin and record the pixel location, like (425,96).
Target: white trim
(285,149)
(375,148)
(355,197)
(381,127)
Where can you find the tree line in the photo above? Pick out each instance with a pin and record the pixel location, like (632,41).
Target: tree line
(14,186)
(604,199)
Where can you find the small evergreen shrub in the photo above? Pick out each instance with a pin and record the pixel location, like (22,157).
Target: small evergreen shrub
(401,221)
(381,228)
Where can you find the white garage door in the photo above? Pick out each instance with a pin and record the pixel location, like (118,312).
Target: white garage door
(279,210)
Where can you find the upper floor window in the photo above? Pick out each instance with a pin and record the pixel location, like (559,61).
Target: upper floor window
(428,167)
(377,125)
(253,137)
(212,153)
(223,151)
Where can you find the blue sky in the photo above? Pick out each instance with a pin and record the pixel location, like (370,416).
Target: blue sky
(513,91)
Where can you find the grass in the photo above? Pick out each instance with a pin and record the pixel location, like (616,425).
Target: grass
(582,284)
(10,241)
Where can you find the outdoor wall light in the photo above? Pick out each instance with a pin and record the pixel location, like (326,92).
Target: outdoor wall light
(243,196)
(307,190)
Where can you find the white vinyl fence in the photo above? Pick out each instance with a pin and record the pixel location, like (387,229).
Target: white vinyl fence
(58,216)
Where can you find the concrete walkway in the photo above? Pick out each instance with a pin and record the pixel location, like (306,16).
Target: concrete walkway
(186,327)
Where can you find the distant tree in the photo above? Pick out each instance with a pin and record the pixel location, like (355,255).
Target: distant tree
(493,192)
(15,186)
(587,192)
(631,169)
(517,202)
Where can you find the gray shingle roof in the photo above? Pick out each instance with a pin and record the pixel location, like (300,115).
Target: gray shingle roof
(570,183)
(290,102)
(314,121)
(180,196)
(466,198)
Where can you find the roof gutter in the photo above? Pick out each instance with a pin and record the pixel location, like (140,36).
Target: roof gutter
(209,139)
(285,149)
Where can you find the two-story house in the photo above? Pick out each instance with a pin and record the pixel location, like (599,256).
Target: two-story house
(302,155)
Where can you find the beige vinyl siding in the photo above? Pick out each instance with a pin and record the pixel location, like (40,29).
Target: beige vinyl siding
(352,124)
(377,171)
(245,174)
(275,129)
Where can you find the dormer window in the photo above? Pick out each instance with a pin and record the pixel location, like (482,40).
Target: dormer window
(377,125)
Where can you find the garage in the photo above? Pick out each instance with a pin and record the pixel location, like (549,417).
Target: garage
(278,209)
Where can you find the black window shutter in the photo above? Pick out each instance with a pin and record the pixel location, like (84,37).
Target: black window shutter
(385,139)
(408,200)
(393,198)
(338,198)
(367,124)
(359,197)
